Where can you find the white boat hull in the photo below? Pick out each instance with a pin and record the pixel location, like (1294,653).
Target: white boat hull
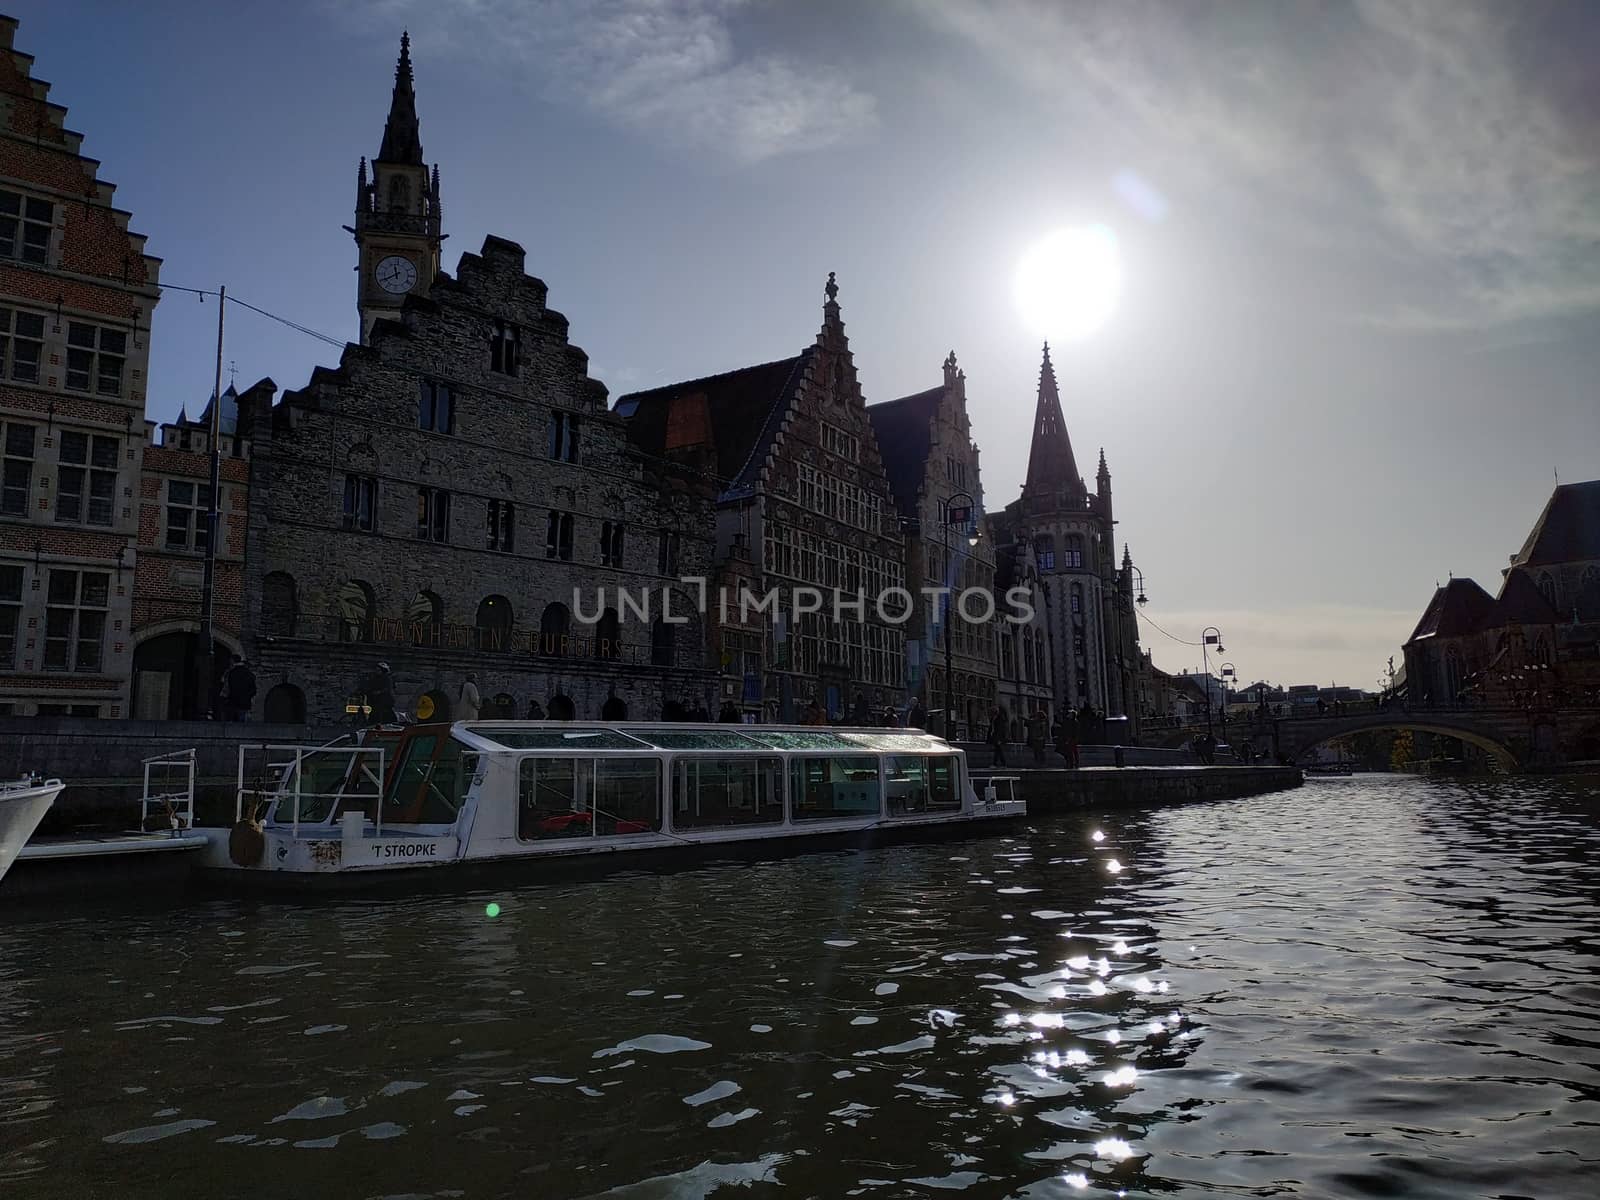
(21,810)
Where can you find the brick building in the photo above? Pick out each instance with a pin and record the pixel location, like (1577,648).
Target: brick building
(931,459)
(77,293)
(1094,636)
(457,497)
(800,476)
(174,496)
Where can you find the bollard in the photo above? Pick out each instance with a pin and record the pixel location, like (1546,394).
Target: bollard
(1119,757)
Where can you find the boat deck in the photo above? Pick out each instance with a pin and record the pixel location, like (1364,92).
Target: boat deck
(80,845)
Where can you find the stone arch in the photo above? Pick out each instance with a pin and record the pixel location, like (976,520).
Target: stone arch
(284,704)
(361,457)
(561,708)
(1547,585)
(1297,743)
(424,616)
(608,638)
(354,604)
(614,709)
(433,705)
(493,623)
(280,605)
(555,628)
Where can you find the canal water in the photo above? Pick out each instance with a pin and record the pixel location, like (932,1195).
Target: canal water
(1374,986)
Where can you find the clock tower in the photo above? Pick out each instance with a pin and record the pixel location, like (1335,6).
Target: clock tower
(397,227)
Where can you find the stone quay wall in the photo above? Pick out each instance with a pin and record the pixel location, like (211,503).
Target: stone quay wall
(101,762)
(1060,790)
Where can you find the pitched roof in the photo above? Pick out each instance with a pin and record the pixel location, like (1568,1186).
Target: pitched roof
(1568,530)
(902,428)
(1522,603)
(1461,606)
(742,409)
(1051,465)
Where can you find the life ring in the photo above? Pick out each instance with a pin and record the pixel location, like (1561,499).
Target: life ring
(247,842)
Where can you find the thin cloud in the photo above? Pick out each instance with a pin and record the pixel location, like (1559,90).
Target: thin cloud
(669,69)
(1425,133)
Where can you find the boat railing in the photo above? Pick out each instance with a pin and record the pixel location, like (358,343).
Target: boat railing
(277,779)
(173,774)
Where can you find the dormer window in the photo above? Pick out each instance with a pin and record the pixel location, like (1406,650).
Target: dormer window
(505,348)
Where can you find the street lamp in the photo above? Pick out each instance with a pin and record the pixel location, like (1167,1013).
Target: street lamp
(1138,582)
(1227,673)
(1209,636)
(954,514)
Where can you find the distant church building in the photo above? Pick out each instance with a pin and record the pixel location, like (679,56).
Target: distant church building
(456,496)
(1093,632)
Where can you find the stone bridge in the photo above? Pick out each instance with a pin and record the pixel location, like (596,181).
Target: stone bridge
(1516,737)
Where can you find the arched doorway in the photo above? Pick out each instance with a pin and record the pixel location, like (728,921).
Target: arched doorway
(614,709)
(560,708)
(554,625)
(493,623)
(284,704)
(166,676)
(432,705)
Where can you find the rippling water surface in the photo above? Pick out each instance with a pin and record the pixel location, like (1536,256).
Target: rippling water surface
(1368,987)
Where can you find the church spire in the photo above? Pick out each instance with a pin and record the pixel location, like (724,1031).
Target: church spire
(402,136)
(1051,465)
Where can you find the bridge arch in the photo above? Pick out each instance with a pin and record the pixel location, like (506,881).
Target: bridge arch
(1296,739)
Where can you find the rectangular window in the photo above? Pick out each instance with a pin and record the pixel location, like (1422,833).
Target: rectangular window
(188,514)
(69,710)
(16,475)
(581,797)
(667,553)
(558,537)
(360,502)
(921,784)
(86,484)
(25,227)
(505,348)
(627,796)
(711,793)
(436,409)
(95,358)
(433,514)
(502,525)
(21,344)
(10,615)
(75,620)
(830,788)
(611,537)
(563,437)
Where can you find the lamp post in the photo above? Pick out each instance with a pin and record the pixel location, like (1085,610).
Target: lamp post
(1209,636)
(954,514)
(1138,581)
(1226,671)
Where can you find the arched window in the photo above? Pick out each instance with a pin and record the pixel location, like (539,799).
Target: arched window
(280,608)
(1547,585)
(554,627)
(1077,598)
(493,623)
(1453,675)
(662,639)
(608,638)
(1044,549)
(1541,651)
(1588,604)
(561,707)
(1075,550)
(399,194)
(284,704)
(424,615)
(354,604)
(614,709)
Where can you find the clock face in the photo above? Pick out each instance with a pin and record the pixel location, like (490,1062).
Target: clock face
(395,274)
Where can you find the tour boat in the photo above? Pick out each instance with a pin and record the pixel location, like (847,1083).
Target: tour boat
(22,806)
(550,797)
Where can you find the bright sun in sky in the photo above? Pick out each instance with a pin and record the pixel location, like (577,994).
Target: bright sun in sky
(1067,284)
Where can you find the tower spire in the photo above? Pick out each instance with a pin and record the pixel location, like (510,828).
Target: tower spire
(1051,465)
(402,136)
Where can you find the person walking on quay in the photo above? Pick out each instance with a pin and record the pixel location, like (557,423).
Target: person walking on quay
(468,703)
(813,715)
(1067,739)
(917,718)
(535,710)
(729,715)
(997,736)
(238,691)
(378,692)
(860,714)
(1036,736)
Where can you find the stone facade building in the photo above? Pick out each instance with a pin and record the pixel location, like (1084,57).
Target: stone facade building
(801,478)
(1025,683)
(174,499)
(77,292)
(457,497)
(931,460)
(1534,645)
(1094,636)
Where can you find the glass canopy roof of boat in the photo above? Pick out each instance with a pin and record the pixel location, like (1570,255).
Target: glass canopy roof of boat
(530,735)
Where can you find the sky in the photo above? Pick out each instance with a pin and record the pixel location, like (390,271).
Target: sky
(1358,329)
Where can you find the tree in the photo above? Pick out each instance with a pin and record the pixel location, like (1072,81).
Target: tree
(1403,752)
